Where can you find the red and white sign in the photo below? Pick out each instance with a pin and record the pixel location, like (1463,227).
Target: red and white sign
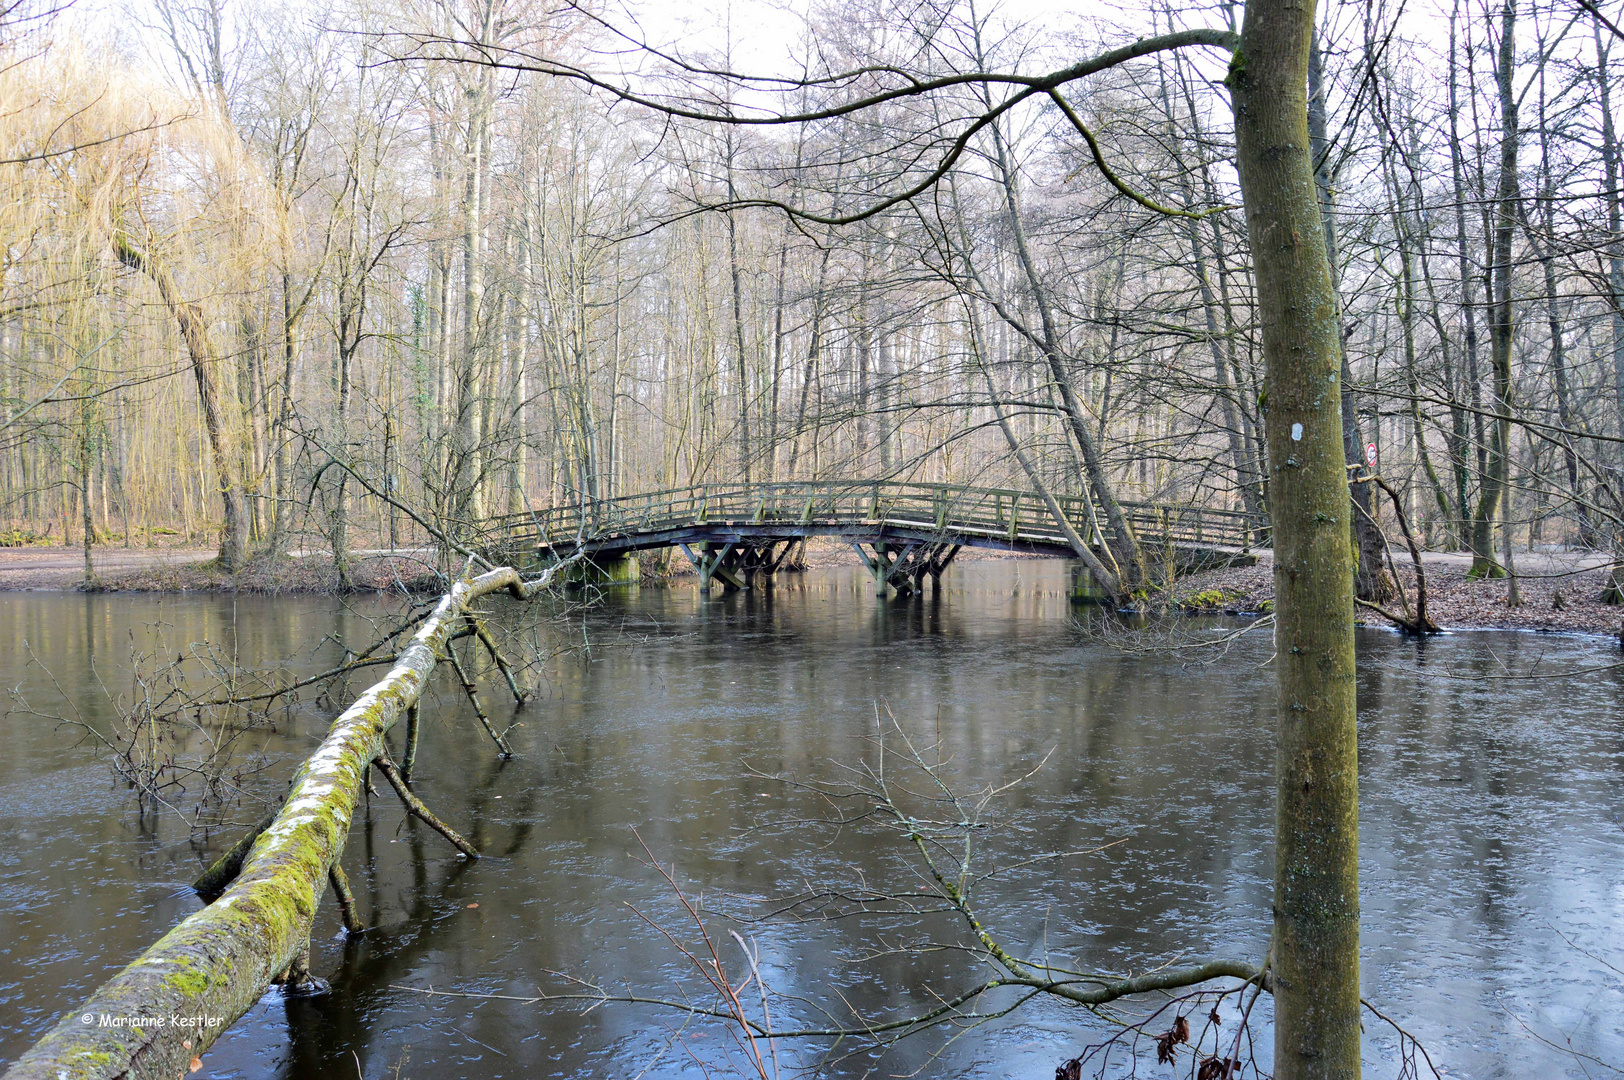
(1370,454)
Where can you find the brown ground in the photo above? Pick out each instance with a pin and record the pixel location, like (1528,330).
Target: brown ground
(187,569)
(1454,602)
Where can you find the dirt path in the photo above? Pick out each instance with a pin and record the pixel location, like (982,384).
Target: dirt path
(63,568)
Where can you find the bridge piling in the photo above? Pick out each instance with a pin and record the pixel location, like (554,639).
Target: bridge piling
(1083,588)
(905,570)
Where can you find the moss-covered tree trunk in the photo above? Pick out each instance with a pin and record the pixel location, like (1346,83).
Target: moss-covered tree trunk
(218,961)
(1315,958)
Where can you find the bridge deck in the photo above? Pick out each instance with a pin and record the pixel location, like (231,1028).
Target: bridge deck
(860,511)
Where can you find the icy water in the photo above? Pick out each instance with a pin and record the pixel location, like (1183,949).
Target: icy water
(1492,831)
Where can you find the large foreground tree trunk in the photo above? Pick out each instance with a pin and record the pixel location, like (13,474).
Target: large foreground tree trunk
(194,332)
(1315,953)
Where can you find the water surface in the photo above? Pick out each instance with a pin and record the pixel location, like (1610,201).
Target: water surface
(1492,840)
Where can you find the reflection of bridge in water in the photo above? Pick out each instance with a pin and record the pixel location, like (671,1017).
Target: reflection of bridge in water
(742,534)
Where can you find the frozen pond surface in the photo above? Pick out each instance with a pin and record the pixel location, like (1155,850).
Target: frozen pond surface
(1492,837)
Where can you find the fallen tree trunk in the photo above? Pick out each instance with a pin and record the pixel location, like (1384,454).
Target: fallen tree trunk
(183,993)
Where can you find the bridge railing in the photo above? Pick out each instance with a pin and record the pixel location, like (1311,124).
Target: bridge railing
(1003,513)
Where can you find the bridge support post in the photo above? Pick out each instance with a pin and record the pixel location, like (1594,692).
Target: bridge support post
(739,564)
(904,570)
(713,563)
(936,562)
(622,569)
(1083,588)
(878,563)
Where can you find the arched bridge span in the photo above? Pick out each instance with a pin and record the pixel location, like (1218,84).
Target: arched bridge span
(739,534)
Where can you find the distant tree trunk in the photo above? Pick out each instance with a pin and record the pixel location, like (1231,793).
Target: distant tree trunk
(349,335)
(1468,281)
(1315,952)
(1371,581)
(1404,217)
(814,343)
(250,392)
(1256,480)
(1106,577)
(1553,317)
(282,428)
(1457,436)
(83,467)
(468,465)
(1613,592)
(742,370)
(776,382)
(194,332)
(1497,473)
(1125,547)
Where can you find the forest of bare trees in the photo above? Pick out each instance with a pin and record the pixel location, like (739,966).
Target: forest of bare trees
(281,282)
(242,243)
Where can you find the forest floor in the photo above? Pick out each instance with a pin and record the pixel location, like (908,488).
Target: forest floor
(1454,601)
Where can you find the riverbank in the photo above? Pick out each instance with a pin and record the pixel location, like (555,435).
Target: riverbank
(185,569)
(1559,593)
(1454,601)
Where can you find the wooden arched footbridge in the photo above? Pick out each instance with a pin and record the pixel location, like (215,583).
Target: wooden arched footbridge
(741,534)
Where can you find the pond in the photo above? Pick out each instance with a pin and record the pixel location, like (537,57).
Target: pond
(1492,829)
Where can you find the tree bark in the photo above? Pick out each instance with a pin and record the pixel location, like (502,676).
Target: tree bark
(1496,476)
(1370,581)
(195,333)
(1315,952)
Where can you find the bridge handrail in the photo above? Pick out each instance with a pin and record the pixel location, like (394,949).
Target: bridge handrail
(959,507)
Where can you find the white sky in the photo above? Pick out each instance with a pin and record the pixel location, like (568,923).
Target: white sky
(764,32)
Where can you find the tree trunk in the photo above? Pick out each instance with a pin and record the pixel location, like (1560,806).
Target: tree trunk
(468,465)
(1497,472)
(1468,299)
(1613,593)
(1126,552)
(1542,246)
(195,333)
(1315,952)
(1371,581)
